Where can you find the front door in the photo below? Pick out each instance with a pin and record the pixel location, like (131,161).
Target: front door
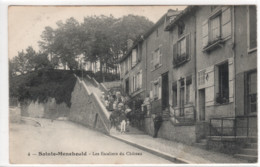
(202,104)
(165,91)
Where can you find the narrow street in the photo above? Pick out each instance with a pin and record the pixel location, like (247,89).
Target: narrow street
(43,144)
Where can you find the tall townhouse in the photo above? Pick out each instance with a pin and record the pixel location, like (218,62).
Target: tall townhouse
(171,77)
(246,68)
(215,62)
(132,69)
(183,76)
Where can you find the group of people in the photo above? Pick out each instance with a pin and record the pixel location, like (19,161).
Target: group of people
(125,112)
(117,105)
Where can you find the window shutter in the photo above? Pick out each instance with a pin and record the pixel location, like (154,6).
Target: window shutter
(160,56)
(226,22)
(231,79)
(188,46)
(152,61)
(210,86)
(151,91)
(205,33)
(174,52)
(160,85)
(141,79)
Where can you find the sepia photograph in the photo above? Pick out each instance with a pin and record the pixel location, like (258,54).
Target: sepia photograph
(151,84)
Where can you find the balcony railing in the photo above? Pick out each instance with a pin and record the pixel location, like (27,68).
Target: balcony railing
(180,59)
(233,126)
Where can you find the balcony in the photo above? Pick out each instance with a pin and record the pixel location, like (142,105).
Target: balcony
(217,42)
(180,59)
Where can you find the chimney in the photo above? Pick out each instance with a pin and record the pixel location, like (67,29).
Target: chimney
(129,43)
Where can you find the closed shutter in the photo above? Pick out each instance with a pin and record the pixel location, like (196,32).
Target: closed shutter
(174,51)
(231,79)
(141,79)
(160,88)
(152,61)
(210,86)
(188,46)
(151,90)
(226,22)
(205,33)
(160,54)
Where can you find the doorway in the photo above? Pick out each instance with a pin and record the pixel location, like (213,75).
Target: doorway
(202,104)
(165,91)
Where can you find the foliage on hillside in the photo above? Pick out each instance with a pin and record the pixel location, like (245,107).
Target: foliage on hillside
(43,84)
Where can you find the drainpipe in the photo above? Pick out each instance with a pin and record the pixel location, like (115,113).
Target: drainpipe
(145,67)
(234,58)
(195,66)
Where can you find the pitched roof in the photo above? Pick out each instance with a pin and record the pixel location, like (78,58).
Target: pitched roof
(141,38)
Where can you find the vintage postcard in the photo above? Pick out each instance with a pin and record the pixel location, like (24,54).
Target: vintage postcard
(133,84)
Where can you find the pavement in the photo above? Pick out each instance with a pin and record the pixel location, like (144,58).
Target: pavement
(33,144)
(174,151)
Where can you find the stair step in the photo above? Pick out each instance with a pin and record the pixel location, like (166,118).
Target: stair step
(251,158)
(249,151)
(251,145)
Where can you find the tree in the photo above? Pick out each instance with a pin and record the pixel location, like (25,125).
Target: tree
(28,61)
(127,27)
(65,43)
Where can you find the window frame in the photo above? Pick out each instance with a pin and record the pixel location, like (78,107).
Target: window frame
(218,14)
(219,96)
(249,50)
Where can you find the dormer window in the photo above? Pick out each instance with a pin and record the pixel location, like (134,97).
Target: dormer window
(181,28)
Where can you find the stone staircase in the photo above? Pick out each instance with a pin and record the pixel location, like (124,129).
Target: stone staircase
(249,151)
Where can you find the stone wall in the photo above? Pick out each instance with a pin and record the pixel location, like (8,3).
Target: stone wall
(184,134)
(49,109)
(85,109)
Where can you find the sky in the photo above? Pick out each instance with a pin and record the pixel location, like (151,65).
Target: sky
(26,23)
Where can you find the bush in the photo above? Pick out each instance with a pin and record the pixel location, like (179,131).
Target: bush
(42,85)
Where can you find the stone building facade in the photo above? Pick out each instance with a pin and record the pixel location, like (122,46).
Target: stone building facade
(201,64)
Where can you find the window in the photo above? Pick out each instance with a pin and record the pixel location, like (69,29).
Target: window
(223,84)
(139,53)
(215,28)
(201,77)
(129,59)
(181,51)
(134,57)
(155,89)
(252,92)
(182,47)
(126,65)
(181,28)
(122,68)
(174,94)
(137,81)
(252,27)
(156,58)
(188,88)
